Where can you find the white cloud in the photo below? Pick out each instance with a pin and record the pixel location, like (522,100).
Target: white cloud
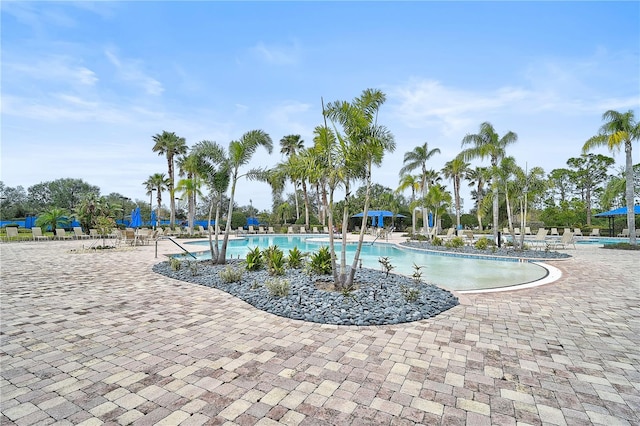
(277,55)
(54,68)
(130,71)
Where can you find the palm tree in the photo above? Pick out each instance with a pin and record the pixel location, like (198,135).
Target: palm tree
(456,170)
(620,129)
(413,182)
(362,145)
(239,154)
(487,143)
(417,159)
(477,177)
(170,145)
(190,166)
(53,217)
(438,200)
(290,146)
(160,183)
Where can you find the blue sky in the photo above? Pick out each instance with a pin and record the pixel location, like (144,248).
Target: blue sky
(85,85)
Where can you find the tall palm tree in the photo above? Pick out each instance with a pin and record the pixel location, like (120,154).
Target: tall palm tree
(160,183)
(170,145)
(291,145)
(239,155)
(190,166)
(487,143)
(620,129)
(477,178)
(363,143)
(214,169)
(455,170)
(417,159)
(409,181)
(438,201)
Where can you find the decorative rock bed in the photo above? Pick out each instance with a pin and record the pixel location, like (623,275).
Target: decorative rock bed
(504,251)
(378,300)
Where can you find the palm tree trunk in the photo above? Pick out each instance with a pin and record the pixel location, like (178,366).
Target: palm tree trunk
(306,204)
(631,218)
(496,205)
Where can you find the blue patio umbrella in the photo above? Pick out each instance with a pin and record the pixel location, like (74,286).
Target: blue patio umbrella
(373,221)
(381,220)
(153,218)
(136,219)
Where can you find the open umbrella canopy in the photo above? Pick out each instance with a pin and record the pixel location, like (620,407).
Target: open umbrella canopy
(378,213)
(621,211)
(136,218)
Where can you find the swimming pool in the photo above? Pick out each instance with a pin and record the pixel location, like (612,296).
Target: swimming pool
(451,272)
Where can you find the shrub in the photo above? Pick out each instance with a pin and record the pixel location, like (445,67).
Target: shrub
(255,261)
(410,294)
(278,287)
(175,264)
(455,242)
(417,273)
(275,260)
(437,241)
(321,261)
(483,243)
(386,265)
(231,274)
(295,259)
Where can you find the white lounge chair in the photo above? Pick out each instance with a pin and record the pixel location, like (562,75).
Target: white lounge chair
(624,233)
(540,239)
(595,232)
(62,235)
(271,230)
(567,239)
(554,232)
(577,232)
(77,232)
(290,230)
(36,232)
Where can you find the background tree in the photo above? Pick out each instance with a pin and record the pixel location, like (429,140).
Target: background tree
(53,218)
(477,177)
(170,145)
(620,129)
(590,171)
(13,202)
(291,145)
(160,183)
(409,181)
(488,144)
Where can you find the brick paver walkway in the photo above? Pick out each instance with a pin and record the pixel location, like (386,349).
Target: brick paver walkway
(100,339)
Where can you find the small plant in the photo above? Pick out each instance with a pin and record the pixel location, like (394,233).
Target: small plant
(255,285)
(386,265)
(255,261)
(437,241)
(175,264)
(278,287)
(296,258)
(482,243)
(410,294)
(231,274)
(455,242)
(417,273)
(275,260)
(193,267)
(320,262)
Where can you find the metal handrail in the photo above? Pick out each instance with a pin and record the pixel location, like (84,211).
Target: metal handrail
(171,239)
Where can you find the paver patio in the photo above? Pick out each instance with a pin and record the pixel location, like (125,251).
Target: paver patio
(100,339)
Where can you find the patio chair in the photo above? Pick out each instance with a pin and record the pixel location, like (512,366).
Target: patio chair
(567,239)
(61,234)
(566,230)
(527,230)
(325,229)
(303,230)
(505,231)
(595,232)
(37,235)
(93,233)
(516,231)
(468,236)
(554,232)
(577,232)
(271,230)
(451,232)
(315,230)
(261,230)
(12,233)
(540,239)
(251,230)
(290,230)
(624,233)
(78,234)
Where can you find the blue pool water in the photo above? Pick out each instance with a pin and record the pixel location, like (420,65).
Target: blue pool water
(450,272)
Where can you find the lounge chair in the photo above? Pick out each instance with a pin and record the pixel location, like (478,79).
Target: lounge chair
(516,231)
(12,233)
(36,232)
(595,232)
(78,234)
(451,232)
(577,232)
(303,230)
(325,229)
(505,231)
(315,230)
(624,233)
(61,234)
(567,238)
(468,236)
(540,239)
(271,230)
(527,230)
(290,230)
(566,230)
(554,232)
(93,233)
(251,230)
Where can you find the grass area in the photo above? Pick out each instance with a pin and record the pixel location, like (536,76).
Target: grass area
(621,246)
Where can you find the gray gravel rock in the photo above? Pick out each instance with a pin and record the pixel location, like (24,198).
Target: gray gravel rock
(378,300)
(503,251)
